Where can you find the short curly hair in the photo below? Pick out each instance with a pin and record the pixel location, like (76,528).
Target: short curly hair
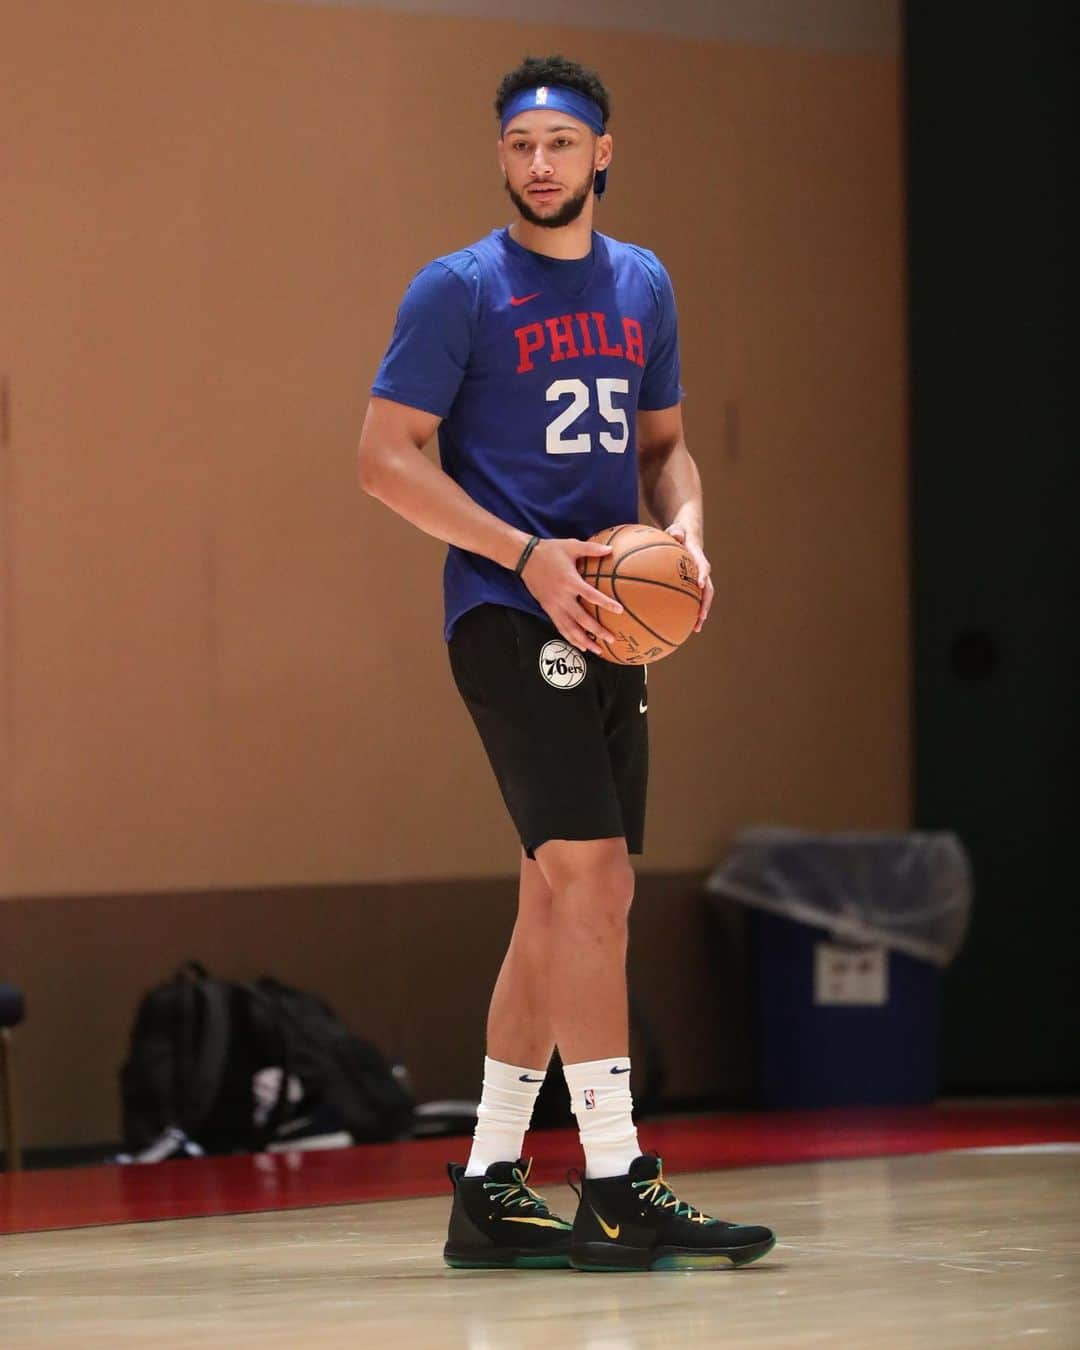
(537,70)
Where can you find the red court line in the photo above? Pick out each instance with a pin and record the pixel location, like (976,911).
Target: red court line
(195,1187)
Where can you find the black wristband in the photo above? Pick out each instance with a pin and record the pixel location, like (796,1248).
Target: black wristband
(526,554)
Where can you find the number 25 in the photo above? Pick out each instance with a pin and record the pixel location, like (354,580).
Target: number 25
(578,393)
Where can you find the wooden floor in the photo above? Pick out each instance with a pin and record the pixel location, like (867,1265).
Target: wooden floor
(974,1249)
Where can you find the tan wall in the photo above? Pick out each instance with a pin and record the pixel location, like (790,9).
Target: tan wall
(222,667)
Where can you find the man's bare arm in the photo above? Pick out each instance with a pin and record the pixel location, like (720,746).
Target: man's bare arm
(394,469)
(671,489)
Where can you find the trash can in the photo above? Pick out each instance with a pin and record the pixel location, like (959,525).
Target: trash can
(849,937)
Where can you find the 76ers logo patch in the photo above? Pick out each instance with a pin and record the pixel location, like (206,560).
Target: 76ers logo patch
(561,665)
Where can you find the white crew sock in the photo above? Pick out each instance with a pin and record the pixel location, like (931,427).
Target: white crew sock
(506,1107)
(600,1098)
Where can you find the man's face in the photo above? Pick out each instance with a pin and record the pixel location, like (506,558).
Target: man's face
(550,160)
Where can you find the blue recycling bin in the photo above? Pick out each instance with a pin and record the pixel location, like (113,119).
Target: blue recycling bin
(849,936)
(814,1050)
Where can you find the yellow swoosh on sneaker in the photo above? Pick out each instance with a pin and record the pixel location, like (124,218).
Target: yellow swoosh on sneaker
(540,1223)
(612,1233)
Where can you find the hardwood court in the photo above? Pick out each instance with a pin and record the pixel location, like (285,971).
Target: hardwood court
(960,1249)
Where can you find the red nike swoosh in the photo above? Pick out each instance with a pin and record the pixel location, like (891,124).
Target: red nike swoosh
(521,299)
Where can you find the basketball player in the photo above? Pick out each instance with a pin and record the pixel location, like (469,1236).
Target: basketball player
(546,356)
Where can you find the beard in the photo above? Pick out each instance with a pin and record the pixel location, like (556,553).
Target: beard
(568,212)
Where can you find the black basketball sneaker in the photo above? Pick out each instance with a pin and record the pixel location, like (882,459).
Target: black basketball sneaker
(636,1222)
(498,1221)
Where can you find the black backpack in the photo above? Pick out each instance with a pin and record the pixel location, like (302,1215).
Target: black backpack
(240,1068)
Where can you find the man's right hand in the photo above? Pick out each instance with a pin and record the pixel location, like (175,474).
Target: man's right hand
(552,578)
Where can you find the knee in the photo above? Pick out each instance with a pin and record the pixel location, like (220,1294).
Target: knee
(598,897)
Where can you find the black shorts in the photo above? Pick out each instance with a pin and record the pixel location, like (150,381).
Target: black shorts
(566,732)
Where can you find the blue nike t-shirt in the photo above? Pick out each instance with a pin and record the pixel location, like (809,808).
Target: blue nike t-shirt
(537,367)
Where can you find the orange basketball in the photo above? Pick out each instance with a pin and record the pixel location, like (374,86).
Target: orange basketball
(655,580)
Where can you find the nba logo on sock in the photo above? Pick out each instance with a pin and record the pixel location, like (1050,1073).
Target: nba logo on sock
(590,1099)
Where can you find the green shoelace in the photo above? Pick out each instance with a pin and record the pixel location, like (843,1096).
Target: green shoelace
(516,1192)
(659,1193)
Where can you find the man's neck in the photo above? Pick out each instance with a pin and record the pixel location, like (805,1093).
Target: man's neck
(568,241)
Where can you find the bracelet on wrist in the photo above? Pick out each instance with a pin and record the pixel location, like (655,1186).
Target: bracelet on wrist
(526,554)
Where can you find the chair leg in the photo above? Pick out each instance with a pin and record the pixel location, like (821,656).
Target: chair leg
(7,1090)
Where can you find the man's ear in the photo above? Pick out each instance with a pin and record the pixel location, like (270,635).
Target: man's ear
(604,146)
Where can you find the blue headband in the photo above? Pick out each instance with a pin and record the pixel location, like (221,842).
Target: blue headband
(560,99)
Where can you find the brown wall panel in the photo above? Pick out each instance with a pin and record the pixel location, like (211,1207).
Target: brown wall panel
(410,966)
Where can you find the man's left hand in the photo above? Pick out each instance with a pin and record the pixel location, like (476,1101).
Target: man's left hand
(704,568)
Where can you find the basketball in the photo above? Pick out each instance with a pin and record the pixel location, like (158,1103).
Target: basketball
(655,580)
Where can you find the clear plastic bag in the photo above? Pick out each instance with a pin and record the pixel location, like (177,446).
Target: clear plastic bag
(908,892)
